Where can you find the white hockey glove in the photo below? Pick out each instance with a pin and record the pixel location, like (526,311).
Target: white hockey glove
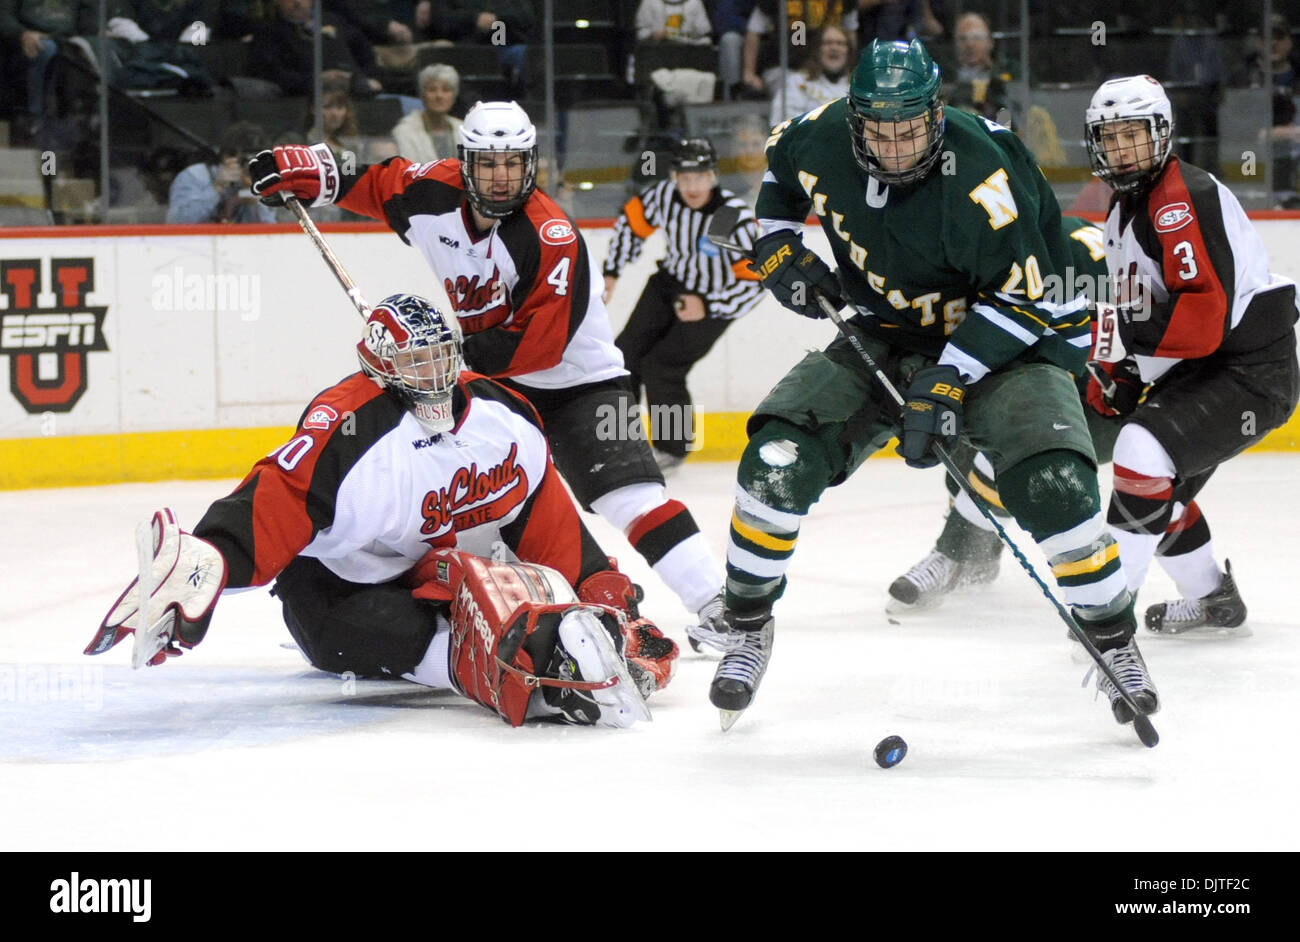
(1110,322)
(180,578)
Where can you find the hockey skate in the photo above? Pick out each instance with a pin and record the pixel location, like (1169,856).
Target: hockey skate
(735,683)
(925,584)
(1222,608)
(711,637)
(1131,670)
(584,652)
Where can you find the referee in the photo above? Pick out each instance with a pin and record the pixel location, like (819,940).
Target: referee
(697,291)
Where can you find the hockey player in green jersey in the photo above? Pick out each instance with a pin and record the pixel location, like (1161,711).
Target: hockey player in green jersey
(968,551)
(945,234)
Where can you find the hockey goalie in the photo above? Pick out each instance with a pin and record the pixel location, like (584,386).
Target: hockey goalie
(378,523)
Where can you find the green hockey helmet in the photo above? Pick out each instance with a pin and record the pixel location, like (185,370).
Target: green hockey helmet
(894,84)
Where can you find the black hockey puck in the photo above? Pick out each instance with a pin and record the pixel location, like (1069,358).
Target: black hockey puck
(890,751)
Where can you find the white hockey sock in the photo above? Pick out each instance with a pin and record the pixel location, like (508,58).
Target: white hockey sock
(1196,573)
(434,670)
(691,571)
(1135,552)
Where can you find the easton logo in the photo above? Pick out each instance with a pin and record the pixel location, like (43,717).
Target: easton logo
(474,497)
(1173,217)
(47,346)
(557,232)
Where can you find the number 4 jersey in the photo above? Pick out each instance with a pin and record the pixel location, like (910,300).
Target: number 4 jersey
(523,291)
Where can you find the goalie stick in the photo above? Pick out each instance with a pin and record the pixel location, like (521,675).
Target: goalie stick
(720,233)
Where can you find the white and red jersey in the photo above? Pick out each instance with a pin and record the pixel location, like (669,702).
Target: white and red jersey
(1186,253)
(523,291)
(367,490)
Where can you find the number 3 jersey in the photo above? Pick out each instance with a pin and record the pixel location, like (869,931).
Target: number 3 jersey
(364,488)
(1185,256)
(523,292)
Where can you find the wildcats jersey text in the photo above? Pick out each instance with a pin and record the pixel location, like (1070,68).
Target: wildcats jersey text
(523,291)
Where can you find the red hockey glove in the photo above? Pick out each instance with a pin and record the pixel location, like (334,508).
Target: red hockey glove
(309,173)
(651,658)
(1114,388)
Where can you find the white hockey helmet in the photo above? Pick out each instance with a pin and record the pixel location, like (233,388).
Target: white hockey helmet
(414,351)
(493,127)
(1133,98)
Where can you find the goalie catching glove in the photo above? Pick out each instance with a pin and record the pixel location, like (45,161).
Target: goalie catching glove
(309,173)
(186,577)
(795,274)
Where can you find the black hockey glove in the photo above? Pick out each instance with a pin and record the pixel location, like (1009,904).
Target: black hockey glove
(795,274)
(932,413)
(1114,388)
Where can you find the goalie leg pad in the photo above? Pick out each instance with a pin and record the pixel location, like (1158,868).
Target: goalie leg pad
(507,643)
(187,576)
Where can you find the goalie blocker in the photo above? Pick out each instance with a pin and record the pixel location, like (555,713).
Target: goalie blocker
(513,637)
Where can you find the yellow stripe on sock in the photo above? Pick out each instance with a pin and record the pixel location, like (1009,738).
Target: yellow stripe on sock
(1092,563)
(765,540)
(984,491)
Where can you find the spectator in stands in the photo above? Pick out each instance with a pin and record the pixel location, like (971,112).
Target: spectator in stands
(1250,72)
(978,81)
(339,119)
(380,21)
(824,76)
(220,192)
(30,31)
(674,21)
(186,21)
(729,19)
(898,19)
(431,133)
(506,25)
(760,71)
(282,52)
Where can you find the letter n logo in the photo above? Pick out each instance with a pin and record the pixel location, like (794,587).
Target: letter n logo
(47,346)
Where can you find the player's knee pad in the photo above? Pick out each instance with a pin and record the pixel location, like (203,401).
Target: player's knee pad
(1050,492)
(784,468)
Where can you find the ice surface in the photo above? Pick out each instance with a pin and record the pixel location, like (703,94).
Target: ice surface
(247,747)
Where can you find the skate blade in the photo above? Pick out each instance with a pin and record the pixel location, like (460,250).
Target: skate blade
(897,607)
(1199,634)
(728,718)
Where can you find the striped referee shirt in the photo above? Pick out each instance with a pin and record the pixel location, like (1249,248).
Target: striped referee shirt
(727,283)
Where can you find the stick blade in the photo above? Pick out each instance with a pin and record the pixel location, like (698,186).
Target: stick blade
(722,227)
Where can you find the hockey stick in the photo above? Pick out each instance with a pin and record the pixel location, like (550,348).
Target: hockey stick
(719,233)
(332,260)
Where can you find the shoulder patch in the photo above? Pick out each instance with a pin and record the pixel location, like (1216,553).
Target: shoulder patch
(321,417)
(1172,217)
(557,232)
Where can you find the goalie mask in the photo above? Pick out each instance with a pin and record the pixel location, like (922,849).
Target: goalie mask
(414,352)
(498,157)
(1128,128)
(895,117)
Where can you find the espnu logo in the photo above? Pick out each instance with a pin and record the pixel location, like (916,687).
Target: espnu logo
(65,332)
